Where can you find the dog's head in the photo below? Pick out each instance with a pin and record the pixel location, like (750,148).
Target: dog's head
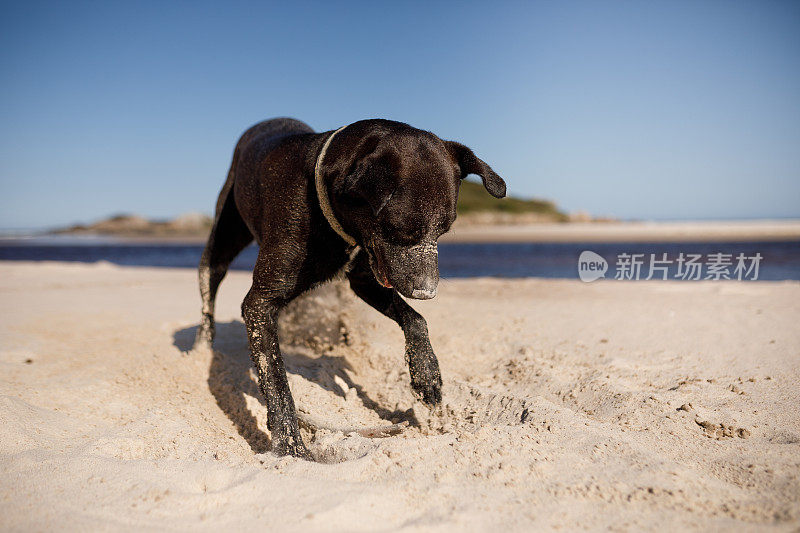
(395,190)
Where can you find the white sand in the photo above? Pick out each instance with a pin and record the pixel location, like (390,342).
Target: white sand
(561,408)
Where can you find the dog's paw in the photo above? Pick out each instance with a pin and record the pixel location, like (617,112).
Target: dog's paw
(426,379)
(293,446)
(429,393)
(204,338)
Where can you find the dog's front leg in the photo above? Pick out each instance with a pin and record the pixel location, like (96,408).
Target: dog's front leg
(260,315)
(426,379)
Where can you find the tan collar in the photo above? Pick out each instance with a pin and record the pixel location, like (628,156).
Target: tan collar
(322,193)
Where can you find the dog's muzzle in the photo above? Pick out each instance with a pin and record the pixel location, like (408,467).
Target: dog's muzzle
(423,294)
(412,270)
(425,278)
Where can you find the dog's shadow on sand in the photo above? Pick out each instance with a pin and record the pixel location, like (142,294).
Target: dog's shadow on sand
(230,379)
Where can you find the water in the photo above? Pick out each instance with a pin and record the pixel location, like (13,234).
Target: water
(780,260)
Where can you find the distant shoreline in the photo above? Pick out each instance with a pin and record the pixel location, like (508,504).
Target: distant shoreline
(545,232)
(696,231)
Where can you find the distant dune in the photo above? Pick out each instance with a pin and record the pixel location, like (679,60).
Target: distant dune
(475,207)
(125,225)
(482,218)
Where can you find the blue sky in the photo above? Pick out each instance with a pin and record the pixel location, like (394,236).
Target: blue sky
(632,109)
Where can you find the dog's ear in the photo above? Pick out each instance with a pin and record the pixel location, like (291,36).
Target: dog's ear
(469,163)
(371,181)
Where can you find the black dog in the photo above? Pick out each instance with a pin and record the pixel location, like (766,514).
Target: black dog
(373,196)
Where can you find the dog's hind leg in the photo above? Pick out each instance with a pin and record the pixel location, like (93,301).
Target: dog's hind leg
(273,287)
(229,236)
(426,379)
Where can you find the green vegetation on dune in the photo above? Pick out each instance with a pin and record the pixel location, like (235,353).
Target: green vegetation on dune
(473,198)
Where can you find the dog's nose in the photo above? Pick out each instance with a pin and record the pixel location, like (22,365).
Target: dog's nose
(425,288)
(423,294)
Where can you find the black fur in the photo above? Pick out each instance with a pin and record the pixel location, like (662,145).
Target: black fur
(392,187)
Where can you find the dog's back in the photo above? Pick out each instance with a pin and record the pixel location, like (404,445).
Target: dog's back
(272,130)
(267,132)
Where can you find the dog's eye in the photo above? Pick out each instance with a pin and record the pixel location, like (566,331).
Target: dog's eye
(402,235)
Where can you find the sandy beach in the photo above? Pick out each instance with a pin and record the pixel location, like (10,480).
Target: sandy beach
(604,406)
